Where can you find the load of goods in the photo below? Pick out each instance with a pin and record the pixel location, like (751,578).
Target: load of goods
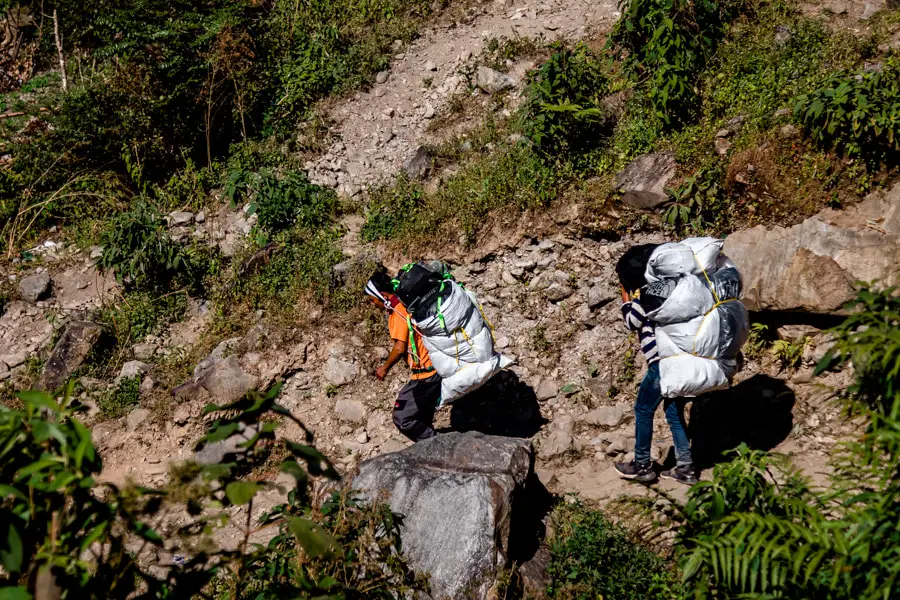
(454,329)
(692,294)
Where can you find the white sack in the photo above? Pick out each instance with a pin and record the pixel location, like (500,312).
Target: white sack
(690,298)
(461,348)
(686,376)
(718,334)
(706,252)
(690,256)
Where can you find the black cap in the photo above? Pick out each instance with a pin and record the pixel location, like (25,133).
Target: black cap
(633,264)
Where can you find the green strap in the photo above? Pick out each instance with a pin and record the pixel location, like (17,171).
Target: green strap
(441,312)
(412,342)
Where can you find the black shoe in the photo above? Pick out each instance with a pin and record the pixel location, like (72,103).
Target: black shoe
(682,474)
(635,472)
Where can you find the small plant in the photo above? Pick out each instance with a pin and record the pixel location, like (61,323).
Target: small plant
(757,341)
(282,202)
(857,113)
(593,558)
(331,390)
(138,250)
(390,209)
(789,352)
(563,111)
(539,339)
(499,50)
(117,401)
(697,203)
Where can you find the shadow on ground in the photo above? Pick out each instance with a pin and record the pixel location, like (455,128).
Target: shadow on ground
(757,412)
(505,405)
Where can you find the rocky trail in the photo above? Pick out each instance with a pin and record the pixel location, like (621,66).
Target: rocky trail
(552,299)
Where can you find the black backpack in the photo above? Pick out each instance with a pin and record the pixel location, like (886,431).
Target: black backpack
(420,285)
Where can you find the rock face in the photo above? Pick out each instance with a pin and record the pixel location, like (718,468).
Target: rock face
(643,182)
(455,492)
(34,287)
(70,351)
(813,266)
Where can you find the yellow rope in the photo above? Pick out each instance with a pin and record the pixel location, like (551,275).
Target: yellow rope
(718,303)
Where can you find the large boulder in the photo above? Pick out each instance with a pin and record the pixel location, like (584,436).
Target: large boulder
(455,494)
(74,345)
(34,287)
(813,266)
(643,182)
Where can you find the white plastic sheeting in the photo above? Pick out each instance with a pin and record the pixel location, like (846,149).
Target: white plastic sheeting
(702,324)
(462,346)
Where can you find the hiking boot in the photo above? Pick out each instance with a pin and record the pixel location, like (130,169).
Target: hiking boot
(635,472)
(682,474)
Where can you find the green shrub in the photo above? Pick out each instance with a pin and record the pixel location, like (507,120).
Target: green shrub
(562,112)
(117,401)
(665,44)
(142,313)
(281,202)
(857,113)
(138,249)
(390,208)
(698,203)
(593,558)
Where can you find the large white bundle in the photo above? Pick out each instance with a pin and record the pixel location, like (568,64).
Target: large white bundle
(701,324)
(461,345)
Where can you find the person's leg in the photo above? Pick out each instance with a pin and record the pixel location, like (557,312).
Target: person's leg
(648,398)
(412,415)
(645,405)
(684,469)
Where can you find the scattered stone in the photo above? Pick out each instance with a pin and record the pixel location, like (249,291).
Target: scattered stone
(598,295)
(430,66)
(608,416)
(34,287)
(783,112)
(382,76)
(352,411)
(429,111)
(788,132)
(392,445)
(74,345)
(338,371)
(796,333)
(136,418)
(225,380)
(722,146)
(782,35)
(492,81)
(643,182)
(133,368)
(559,440)
(147,385)
(502,342)
(455,492)
(200,217)
(143,351)
(598,387)
(180,218)
(723,133)
(547,390)
(418,166)
(217,452)
(13,360)
(362,437)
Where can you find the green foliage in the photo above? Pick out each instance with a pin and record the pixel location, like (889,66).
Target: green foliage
(389,208)
(563,111)
(499,50)
(281,202)
(138,249)
(698,202)
(758,530)
(789,352)
(665,44)
(54,514)
(758,341)
(140,314)
(117,401)
(593,558)
(857,113)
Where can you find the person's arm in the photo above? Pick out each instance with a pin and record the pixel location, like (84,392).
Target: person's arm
(634,315)
(397,353)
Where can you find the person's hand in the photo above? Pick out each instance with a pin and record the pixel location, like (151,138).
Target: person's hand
(381,373)
(625,297)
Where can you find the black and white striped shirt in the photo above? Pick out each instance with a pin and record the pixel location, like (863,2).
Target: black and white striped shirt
(636,320)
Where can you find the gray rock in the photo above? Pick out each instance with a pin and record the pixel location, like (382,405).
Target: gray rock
(598,295)
(338,371)
(352,411)
(455,493)
(382,76)
(13,360)
(180,218)
(722,146)
(547,390)
(643,182)
(419,165)
(492,81)
(143,351)
(136,418)
(218,451)
(813,266)
(132,368)
(559,440)
(200,217)
(557,292)
(225,380)
(796,333)
(74,345)
(34,287)
(608,416)
(430,66)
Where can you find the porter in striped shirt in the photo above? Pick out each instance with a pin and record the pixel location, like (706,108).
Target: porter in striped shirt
(636,320)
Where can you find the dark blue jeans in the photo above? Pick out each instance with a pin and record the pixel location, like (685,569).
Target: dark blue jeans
(648,399)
